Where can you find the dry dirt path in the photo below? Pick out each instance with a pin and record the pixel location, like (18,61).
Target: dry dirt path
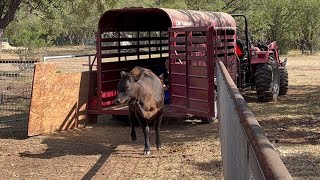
(192,151)
(293,122)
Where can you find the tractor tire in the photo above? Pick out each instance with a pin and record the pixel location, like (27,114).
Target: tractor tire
(267,80)
(283,81)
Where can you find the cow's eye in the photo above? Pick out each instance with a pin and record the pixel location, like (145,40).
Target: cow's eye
(127,87)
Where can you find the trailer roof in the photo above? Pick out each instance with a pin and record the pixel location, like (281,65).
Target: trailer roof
(155,19)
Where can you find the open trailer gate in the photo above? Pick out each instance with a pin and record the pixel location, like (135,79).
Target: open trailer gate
(193,52)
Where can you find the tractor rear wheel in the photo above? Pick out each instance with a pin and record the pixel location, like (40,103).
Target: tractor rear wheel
(267,80)
(283,81)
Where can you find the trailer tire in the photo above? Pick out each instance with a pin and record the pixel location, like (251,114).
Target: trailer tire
(267,80)
(283,81)
(92,119)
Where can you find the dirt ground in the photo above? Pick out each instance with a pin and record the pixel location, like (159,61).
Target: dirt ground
(292,123)
(105,151)
(192,150)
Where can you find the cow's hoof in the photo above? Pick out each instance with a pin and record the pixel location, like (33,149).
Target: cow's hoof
(133,139)
(160,147)
(147,153)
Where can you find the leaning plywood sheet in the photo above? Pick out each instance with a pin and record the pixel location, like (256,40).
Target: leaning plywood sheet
(58,100)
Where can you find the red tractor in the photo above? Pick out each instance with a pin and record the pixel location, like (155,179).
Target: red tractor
(259,66)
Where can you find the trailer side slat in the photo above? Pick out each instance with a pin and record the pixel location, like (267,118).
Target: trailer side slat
(131,46)
(132,53)
(132,39)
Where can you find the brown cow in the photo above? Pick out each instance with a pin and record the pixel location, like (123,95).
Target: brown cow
(143,92)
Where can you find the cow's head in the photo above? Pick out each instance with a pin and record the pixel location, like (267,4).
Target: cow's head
(127,87)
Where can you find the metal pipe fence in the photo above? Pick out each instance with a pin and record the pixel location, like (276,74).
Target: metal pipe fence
(15,91)
(246,151)
(72,63)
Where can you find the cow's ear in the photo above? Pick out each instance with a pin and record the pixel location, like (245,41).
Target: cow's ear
(122,73)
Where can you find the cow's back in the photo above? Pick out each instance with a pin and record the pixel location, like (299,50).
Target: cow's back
(151,92)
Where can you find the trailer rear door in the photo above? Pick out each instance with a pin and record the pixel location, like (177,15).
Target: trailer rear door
(193,52)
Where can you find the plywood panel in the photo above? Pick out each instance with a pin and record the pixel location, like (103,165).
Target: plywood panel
(58,100)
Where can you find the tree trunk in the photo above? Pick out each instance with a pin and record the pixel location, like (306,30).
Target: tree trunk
(70,39)
(311,48)
(8,16)
(302,44)
(1,32)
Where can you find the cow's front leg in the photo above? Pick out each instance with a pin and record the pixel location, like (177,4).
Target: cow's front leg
(157,129)
(145,129)
(132,117)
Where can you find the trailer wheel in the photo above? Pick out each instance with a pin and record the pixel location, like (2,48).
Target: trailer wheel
(283,81)
(267,80)
(92,119)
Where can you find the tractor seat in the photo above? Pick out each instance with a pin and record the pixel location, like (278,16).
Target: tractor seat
(240,49)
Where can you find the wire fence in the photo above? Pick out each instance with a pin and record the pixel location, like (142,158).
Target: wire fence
(16,76)
(246,151)
(15,91)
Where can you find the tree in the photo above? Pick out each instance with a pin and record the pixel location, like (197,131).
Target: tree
(308,24)
(8,9)
(46,22)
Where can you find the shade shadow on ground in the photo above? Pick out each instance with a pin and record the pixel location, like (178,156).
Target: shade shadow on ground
(187,146)
(294,118)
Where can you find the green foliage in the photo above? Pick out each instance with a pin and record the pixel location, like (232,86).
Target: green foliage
(292,23)
(31,33)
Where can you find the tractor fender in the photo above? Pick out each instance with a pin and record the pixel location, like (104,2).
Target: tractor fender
(260,57)
(273,45)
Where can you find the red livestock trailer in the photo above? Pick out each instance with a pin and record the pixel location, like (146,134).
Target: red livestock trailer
(147,37)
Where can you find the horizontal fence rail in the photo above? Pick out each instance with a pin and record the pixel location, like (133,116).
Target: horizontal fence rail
(246,151)
(72,63)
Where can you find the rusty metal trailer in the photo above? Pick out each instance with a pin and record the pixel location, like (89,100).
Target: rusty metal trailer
(192,40)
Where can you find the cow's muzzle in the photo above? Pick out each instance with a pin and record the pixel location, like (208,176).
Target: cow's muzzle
(121,99)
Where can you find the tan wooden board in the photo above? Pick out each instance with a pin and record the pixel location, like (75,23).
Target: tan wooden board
(58,100)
